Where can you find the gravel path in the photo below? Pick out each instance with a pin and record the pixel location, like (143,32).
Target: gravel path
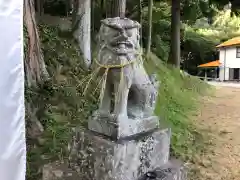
(225,84)
(221,114)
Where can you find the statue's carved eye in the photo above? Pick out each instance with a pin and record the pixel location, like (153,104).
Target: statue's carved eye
(129,33)
(114,33)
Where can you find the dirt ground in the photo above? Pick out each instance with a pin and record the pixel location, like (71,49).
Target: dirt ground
(221,114)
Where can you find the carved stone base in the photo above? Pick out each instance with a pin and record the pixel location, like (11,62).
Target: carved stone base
(117,129)
(98,158)
(173,170)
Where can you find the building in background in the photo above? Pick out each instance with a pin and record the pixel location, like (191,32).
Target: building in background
(229,56)
(228,64)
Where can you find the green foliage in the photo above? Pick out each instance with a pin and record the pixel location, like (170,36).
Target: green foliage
(199,40)
(195,9)
(178,102)
(226,24)
(59,102)
(198,37)
(160,30)
(223,28)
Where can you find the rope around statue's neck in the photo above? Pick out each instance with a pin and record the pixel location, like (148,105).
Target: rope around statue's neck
(103,80)
(107,66)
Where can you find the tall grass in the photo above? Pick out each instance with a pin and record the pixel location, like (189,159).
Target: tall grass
(178,101)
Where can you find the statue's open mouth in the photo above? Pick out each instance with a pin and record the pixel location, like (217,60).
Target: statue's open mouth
(122,44)
(122,47)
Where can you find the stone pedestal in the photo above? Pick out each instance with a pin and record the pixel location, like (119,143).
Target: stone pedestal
(96,156)
(172,170)
(126,127)
(103,159)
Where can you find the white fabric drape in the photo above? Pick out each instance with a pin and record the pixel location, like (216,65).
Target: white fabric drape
(12,111)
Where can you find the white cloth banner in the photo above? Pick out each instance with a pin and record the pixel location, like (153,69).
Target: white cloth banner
(12,110)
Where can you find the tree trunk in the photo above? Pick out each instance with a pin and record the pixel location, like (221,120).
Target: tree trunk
(117,8)
(69,4)
(81,28)
(35,68)
(149,42)
(140,19)
(102,5)
(109,8)
(140,11)
(235,8)
(39,4)
(174,55)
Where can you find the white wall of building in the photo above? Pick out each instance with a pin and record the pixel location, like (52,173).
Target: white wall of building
(221,74)
(228,60)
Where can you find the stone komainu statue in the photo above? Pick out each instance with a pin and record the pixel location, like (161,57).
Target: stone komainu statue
(120,61)
(129,145)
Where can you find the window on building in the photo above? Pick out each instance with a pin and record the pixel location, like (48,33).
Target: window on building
(238,52)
